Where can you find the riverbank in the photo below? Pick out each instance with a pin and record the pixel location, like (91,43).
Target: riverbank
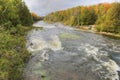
(91,28)
(112,35)
(13,53)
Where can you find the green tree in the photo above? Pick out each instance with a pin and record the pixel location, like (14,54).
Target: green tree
(84,16)
(14,12)
(92,17)
(25,15)
(113,18)
(9,14)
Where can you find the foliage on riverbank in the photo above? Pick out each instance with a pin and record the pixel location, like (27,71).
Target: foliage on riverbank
(110,21)
(105,17)
(14,12)
(13,53)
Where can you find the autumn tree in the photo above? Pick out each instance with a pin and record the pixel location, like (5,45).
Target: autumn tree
(112,21)
(105,16)
(36,17)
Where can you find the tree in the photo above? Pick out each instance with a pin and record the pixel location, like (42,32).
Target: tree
(106,16)
(113,18)
(92,17)
(83,16)
(14,12)
(36,17)
(25,15)
(9,14)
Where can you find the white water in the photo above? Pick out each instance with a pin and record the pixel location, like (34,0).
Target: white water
(109,65)
(39,44)
(60,53)
(41,23)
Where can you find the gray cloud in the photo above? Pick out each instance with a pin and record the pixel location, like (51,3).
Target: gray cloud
(43,7)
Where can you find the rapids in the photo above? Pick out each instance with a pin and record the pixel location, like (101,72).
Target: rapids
(63,53)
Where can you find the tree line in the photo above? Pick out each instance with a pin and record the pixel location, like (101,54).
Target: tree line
(105,16)
(36,17)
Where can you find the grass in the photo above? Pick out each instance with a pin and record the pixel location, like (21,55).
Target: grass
(13,53)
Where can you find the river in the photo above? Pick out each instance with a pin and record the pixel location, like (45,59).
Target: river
(63,53)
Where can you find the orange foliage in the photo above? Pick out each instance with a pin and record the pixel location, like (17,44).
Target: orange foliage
(35,15)
(106,6)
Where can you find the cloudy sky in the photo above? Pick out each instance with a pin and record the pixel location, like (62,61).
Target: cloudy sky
(43,7)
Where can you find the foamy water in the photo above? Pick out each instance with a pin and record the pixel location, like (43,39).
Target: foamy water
(39,44)
(62,53)
(43,24)
(106,66)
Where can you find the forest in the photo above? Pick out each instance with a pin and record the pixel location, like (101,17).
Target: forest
(15,20)
(105,17)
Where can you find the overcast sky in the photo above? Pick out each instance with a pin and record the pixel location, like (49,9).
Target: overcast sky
(43,7)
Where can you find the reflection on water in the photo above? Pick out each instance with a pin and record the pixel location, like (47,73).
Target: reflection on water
(63,53)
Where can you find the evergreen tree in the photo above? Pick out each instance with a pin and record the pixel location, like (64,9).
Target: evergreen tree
(92,17)
(24,14)
(14,12)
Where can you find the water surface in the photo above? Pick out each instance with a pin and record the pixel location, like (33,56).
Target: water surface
(63,53)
